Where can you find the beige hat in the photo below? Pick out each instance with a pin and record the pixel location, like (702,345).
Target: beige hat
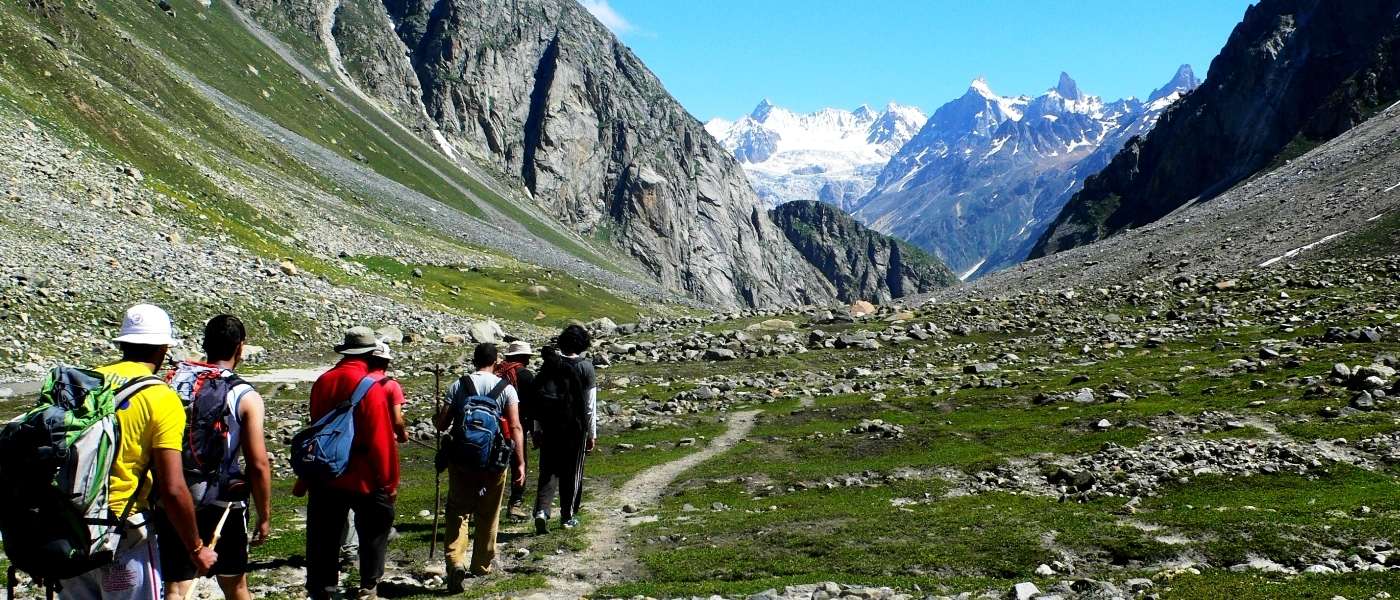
(359,340)
(519,348)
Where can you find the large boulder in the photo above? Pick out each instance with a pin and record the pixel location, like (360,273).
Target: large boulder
(486,332)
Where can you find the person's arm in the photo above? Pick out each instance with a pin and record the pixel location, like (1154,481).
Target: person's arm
(442,419)
(396,412)
(179,507)
(251,411)
(592,419)
(518,434)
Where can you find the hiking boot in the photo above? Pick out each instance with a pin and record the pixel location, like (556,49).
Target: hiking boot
(517,513)
(368,594)
(541,523)
(571,523)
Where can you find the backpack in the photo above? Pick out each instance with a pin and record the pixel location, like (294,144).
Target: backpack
(56,462)
(205,390)
(559,397)
(321,452)
(476,437)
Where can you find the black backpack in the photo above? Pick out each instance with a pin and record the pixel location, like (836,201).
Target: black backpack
(204,389)
(559,402)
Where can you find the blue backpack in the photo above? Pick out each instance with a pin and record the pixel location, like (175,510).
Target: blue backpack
(322,451)
(476,440)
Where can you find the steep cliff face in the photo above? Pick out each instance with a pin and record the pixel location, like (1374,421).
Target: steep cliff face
(861,264)
(545,93)
(1294,73)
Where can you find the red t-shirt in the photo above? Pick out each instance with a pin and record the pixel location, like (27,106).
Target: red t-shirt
(374,455)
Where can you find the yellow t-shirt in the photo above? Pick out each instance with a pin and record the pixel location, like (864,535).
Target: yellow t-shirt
(154,418)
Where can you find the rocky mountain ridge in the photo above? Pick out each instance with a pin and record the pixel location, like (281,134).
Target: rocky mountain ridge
(863,264)
(831,155)
(1293,73)
(987,172)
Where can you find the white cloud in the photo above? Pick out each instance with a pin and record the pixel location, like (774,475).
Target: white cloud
(601,10)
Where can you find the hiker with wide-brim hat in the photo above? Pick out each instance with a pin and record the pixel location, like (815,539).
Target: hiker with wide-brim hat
(369,484)
(514,367)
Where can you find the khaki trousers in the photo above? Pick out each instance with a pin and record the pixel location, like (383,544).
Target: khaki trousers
(476,497)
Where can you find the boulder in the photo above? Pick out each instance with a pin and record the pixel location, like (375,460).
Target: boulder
(861,308)
(486,332)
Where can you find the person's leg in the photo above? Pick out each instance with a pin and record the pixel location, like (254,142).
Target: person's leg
(548,483)
(578,480)
(517,492)
(133,574)
(461,501)
(374,518)
(570,479)
(326,511)
(235,587)
(176,568)
(232,568)
(487,516)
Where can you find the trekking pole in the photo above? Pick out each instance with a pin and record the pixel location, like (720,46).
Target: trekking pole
(437,448)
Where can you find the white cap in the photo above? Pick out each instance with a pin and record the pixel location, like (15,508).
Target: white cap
(147,324)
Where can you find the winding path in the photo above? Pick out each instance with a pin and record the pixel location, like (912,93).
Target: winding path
(606,560)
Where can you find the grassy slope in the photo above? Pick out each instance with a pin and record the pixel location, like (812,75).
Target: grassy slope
(778,535)
(101,91)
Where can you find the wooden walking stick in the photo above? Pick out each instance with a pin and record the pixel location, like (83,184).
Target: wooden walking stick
(437,447)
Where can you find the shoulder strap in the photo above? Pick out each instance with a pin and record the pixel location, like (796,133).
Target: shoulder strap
(499,389)
(131,388)
(361,390)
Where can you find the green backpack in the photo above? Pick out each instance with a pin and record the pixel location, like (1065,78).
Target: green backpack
(56,462)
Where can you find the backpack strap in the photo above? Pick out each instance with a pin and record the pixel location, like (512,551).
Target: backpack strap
(361,391)
(133,387)
(499,389)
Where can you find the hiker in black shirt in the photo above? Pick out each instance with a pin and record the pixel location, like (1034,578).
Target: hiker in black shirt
(513,368)
(566,425)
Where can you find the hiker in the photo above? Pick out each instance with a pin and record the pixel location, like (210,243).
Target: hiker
(478,453)
(152,423)
(224,424)
(566,399)
(368,479)
(514,368)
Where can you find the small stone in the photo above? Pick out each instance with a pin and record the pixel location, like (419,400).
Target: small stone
(1045,571)
(630,509)
(1024,591)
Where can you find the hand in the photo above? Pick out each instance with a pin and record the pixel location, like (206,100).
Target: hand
(261,534)
(393,495)
(589,445)
(299,488)
(204,560)
(519,477)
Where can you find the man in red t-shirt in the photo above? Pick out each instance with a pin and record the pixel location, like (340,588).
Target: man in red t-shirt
(370,484)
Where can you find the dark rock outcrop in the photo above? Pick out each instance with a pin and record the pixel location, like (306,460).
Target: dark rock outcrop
(860,263)
(1293,74)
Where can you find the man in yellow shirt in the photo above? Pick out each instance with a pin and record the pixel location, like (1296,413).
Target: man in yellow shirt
(152,430)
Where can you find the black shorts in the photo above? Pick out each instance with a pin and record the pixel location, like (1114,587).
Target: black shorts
(175,564)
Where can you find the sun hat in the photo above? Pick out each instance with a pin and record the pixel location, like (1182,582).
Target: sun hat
(519,348)
(381,350)
(147,324)
(358,340)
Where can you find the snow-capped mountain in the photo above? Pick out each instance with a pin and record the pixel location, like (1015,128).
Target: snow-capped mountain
(987,173)
(830,155)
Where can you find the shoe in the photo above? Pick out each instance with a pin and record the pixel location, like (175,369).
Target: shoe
(571,523)
(368,594)
(517,513)
(541,523)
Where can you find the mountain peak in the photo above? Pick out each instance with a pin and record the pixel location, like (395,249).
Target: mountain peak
(1183,81)
(864,112)
(980,87)
(1067,88)
(761,111)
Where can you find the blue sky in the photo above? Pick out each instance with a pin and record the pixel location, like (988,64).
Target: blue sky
(720,57)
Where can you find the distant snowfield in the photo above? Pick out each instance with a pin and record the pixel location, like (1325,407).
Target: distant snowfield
(831,154)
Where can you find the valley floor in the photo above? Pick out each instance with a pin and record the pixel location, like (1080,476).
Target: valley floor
(1197,438)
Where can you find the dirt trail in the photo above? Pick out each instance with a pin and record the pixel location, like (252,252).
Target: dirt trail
(606,560)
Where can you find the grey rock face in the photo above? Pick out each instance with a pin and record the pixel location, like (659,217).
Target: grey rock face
(860,263)
(1293,74)
(546,94)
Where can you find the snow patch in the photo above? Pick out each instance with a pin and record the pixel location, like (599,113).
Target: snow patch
(442,143)
(969,272)
(1294,252)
